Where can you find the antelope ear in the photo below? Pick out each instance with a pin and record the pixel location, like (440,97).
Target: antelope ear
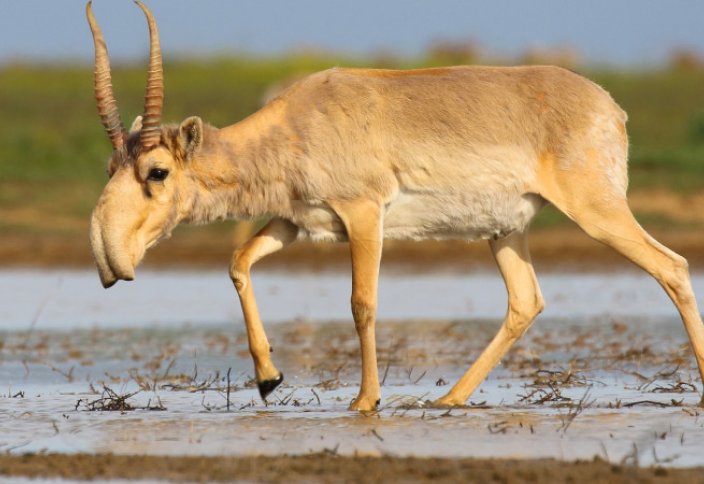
(136,125)
(190,136)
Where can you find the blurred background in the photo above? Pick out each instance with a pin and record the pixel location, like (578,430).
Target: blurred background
(222,60)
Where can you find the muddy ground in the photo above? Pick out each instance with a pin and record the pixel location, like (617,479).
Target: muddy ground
(331,468)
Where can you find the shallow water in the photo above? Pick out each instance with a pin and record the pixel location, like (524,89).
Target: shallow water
(75,299)
(605,371)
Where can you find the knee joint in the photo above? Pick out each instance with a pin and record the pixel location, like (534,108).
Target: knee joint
(239,271)
(363,313)
(239,276)
(678,281)
(239,279)
(521,315)
(681,268)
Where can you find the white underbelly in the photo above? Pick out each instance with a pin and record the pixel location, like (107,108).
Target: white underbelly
(418,216)
(459,215)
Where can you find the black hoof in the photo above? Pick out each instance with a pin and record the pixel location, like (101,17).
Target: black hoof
(268,386)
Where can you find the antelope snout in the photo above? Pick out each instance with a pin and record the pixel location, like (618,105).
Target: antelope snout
(112,260)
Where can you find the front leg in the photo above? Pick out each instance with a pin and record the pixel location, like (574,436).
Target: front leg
(273,237)
(363,222)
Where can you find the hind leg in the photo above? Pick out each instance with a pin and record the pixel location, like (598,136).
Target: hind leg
(525,302)
(611,222)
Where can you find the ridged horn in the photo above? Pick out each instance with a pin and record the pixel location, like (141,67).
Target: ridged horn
(154,97)
(107,106)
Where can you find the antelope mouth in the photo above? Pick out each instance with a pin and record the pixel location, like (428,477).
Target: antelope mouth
(112,280)
(109,274)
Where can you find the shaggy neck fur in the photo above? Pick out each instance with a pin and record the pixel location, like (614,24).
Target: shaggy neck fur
(239,172)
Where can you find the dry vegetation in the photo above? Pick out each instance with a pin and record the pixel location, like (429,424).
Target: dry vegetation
(556,367)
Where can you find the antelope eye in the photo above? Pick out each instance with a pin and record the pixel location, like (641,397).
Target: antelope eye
(157,174)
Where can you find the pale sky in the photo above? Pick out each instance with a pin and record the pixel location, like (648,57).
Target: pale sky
(631,32)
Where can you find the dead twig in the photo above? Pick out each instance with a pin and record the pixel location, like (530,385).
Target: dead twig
(386,372)
(498,427)
(679,387)
(109,401)
(228,388)
(673,403)
(316,395)
(575,410)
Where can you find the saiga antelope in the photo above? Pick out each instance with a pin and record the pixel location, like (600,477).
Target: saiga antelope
(361,155)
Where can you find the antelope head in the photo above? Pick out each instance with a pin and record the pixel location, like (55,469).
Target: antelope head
(149,189)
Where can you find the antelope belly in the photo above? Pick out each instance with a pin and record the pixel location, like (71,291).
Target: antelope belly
(466,216)
(418,216)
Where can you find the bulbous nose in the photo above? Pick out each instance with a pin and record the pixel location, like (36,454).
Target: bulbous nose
(110,253)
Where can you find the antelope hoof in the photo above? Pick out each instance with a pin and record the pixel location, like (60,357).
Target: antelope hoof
(365,404)
(268,386)
(447,402)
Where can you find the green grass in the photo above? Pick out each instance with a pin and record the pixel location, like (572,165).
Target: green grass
(666,126)
(53,149)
